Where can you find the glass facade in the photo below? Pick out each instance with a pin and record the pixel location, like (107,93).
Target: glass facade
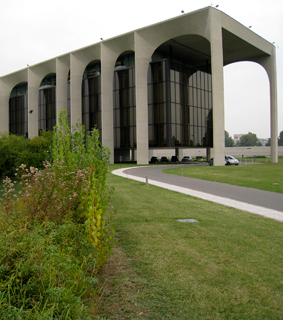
(179,105)
(69,98)
(18,110)
(124,108)
(91,97)
(47,103)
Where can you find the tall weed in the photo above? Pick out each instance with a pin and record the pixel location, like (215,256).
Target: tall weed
(56,232)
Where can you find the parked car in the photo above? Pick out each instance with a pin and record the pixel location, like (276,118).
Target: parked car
(229,160)
(187,159)
(154,160)
(174,159)
(164,159)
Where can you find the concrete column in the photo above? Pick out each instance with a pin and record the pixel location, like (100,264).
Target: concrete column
(33,86)
(108,59)
(142,59)
(269,64)
(217,88)
(76,77)
(62,69)
(4,106)
(273,109)
(208,153)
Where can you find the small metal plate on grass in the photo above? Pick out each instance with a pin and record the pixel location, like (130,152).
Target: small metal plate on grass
(187,220)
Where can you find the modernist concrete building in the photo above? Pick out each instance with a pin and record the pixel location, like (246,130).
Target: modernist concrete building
(156,87)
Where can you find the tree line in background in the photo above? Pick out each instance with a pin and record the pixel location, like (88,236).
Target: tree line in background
(249,140)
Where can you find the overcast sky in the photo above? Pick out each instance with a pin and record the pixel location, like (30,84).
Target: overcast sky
(32,31)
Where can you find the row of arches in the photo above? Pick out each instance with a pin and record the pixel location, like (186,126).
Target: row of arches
(179,101)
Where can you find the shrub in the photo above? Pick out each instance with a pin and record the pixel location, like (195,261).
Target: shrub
(15,150)
(56,231)
(11,146)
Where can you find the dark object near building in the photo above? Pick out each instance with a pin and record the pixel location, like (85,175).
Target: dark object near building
(174,159)
(164,159)
(154,160)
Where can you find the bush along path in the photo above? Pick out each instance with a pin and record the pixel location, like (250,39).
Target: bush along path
(56,232)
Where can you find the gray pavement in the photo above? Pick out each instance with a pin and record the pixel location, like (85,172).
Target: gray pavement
(266,203)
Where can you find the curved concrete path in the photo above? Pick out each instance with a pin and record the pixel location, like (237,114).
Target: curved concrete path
(264,203)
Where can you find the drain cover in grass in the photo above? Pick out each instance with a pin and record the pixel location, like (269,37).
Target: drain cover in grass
(187,220)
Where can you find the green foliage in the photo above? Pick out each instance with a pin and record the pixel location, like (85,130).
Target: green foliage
(11,147)
(229,142)
(15,150)
(55,230)
(248,140)
(46,272)
(76,152)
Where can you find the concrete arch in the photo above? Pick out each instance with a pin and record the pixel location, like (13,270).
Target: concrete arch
(244,96)
(78,62)
(7,83)
(146,43)
(35,75)
(110,51)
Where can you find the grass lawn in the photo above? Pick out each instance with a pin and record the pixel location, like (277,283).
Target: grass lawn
(264,176)
(229,265)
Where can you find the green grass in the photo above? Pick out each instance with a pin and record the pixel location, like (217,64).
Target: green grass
(264,176)
(227,266)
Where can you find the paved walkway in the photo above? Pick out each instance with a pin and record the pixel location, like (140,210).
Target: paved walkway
(264,203)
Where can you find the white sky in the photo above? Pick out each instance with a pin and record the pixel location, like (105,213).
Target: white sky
(32,31)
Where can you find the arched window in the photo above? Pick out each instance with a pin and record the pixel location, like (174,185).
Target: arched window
(47,103)
(180,94)
(18,110)
(125,102)
(91,97)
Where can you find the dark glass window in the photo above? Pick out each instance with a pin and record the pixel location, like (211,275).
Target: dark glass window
(124,108)
(69,99)
(47,103)
(179,105)
(91,97)
(18,110)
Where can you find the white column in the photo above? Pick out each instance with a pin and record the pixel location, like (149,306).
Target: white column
(217,88)
(76,77)
(142,59)
(108,59)
(269,64)
(4,106)
(62,69)
(273,109)
(33,87)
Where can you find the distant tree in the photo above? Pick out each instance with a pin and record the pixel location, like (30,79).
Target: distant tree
(280,139)
(259,144)
(268,143)
(229,142)
(248,140)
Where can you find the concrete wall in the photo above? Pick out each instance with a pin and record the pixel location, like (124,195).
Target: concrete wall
(237,152)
